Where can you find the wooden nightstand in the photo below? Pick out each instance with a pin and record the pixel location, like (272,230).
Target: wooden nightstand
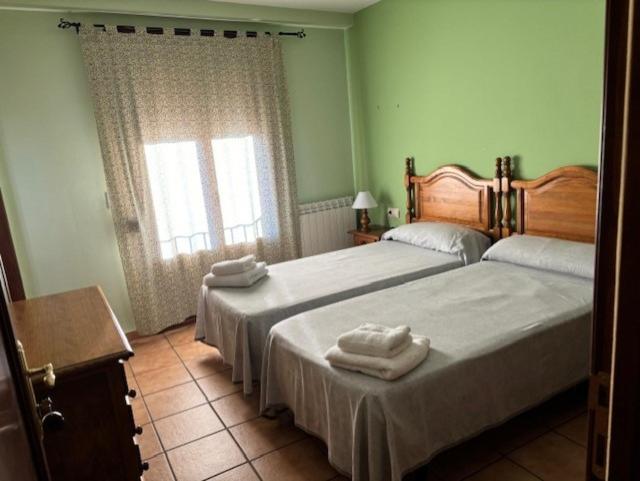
(374,234)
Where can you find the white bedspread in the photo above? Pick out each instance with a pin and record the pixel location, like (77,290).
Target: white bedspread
(504,338)
(237,320)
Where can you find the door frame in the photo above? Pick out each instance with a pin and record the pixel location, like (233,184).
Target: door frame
(624,430)
(614,419)
(9,258)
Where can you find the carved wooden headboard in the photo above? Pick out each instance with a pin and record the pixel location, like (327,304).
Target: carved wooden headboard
(453,194)
(561,203)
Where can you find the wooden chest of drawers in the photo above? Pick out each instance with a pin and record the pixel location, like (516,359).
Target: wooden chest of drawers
(77,332)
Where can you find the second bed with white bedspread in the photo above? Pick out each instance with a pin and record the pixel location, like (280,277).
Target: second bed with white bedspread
(503,339)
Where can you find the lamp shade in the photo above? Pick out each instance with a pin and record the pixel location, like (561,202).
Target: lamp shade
(364,200)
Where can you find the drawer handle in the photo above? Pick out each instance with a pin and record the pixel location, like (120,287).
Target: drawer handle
(144,466)
(138,430)
(132,393)
(52,420)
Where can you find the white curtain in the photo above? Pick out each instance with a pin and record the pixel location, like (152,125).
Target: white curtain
(196,142)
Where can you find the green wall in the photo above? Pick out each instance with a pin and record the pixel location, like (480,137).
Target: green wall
(447,81)
(51,169)
(465,81)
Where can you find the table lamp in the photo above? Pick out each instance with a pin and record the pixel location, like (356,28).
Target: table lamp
(364,201)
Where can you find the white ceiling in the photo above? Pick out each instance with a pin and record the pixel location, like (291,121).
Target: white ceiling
(345,6)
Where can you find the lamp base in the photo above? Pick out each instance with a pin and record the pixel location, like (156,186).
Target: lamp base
(364,221)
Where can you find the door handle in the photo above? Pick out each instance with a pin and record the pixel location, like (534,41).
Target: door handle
(49,377)
(53,419)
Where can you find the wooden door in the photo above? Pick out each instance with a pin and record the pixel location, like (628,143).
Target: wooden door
(20,440)
(614,400)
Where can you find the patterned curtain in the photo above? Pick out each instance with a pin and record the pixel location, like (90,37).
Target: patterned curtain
(196,141)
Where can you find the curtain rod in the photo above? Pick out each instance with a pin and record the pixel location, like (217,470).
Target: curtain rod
(66,24)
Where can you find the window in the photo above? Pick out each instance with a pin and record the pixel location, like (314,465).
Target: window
(178,201)
(182,216)
(238,189)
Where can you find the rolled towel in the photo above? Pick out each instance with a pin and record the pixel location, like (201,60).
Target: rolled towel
(236,266)
(244,279)
(383,368)
(375,340)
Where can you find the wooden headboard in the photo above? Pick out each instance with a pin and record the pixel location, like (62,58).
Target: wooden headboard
(453,194)
(559,204)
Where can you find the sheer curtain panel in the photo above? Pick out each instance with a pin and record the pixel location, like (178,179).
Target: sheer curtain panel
(196,142)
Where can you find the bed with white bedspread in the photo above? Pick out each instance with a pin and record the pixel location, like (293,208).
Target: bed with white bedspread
(504,338)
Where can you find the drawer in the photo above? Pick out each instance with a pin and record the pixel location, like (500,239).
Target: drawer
(96,441)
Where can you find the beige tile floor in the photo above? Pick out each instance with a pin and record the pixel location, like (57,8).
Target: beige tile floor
(198,426)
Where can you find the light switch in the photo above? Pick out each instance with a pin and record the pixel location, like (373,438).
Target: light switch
(393,212)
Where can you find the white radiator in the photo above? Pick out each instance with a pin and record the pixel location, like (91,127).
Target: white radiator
(324,225)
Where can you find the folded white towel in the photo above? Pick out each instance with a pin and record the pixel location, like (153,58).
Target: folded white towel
(236,266)
(375,340)
(383,368)
(244,279)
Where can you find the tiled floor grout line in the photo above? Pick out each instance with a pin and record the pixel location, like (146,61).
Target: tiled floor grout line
(569,419)
(226,471)
(197,405)
(569,439)
(226,428)
(164,452)
(182,411)
(508,455)
(508,452)
(535,475)
(170,387)
(152,421)
(276,449)
(196,439)
(153,426)
(193,379)
(476,471)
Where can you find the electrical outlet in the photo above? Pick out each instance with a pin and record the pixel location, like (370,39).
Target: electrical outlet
(393,212)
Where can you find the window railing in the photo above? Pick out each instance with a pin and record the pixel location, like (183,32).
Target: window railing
(242,233)
(185,244)
(189,244)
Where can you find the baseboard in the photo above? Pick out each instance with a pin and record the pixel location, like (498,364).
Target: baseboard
(132,335)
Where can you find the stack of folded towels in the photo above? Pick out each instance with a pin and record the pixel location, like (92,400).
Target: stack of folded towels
(379,351)
(242,272)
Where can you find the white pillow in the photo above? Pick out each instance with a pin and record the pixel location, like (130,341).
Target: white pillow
(567,257)
(466,243)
